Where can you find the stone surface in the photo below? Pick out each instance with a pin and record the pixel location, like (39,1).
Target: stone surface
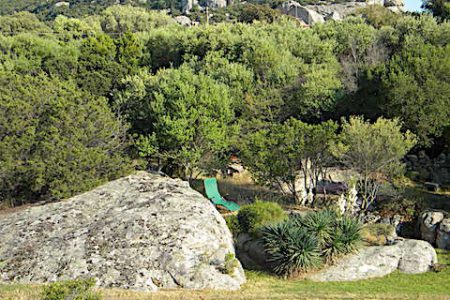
(308,16)
(142,232)
(428,224)
(187,5)
(407,256)
(250,253)
(443,234)
(183,20)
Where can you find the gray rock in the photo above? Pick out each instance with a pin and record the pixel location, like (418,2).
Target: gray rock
(333,16)
(443,235)
(187,5)
(62,3)
(390,3)
(428,223)
(183,20)
(142,232)
(217,3)
(251,253)
(408,256)
(417,257)
(308,16)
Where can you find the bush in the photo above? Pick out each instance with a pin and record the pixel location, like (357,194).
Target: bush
(80,289)
(291,249)
(55,140)
(302,243)
(259,214)
(233,224)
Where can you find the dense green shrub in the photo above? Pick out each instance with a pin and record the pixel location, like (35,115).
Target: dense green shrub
(259,214)
(80,289)
(233,224)
(55,140)
(302,243)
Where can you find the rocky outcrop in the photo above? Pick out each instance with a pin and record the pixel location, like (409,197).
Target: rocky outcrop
(142,232)
(311,14)
(308,16)
(434,227)
(407,256)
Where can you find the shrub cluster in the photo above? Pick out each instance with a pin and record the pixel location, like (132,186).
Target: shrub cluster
(302,243)
(253,217)
(80,289)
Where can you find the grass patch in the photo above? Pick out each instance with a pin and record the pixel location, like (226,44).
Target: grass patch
(429,285)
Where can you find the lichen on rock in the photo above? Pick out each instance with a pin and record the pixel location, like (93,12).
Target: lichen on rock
(141,232)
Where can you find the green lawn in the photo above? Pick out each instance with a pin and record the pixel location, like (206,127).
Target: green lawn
(262,286)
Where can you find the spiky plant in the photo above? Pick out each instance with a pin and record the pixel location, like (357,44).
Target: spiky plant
(290,249)
(320,224)
(350,229)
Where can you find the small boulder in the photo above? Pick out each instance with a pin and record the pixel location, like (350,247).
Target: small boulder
(183,20)
(428,223)
(417,257)
(250,253)
(443,234)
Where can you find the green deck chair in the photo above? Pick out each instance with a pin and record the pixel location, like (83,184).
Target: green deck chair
(212,192)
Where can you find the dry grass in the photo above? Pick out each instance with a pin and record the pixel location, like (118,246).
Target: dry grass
(243,190)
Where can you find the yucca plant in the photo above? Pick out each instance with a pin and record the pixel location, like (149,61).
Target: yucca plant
(345,239)
(290,248)
(350,229)
(320,224)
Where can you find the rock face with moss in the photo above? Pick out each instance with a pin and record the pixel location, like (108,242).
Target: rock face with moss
(142,232)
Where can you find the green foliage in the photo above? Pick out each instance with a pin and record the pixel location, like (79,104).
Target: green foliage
(320,224)
(120,19)
(22,22)
(233,224)
(80,289)
(291,249)
(254,216)
(377,15)
(276,155)
(248,13)
(55,140)
(230,265)
(417,90)
(303,243)
(439,8)
(374,151)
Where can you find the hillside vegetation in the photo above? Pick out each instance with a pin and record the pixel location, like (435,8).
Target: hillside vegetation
(137,85)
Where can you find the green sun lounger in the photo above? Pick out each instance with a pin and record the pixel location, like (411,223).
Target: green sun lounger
(212,192)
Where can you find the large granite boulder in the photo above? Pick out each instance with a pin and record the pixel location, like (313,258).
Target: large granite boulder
(142,232)
(407,256)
